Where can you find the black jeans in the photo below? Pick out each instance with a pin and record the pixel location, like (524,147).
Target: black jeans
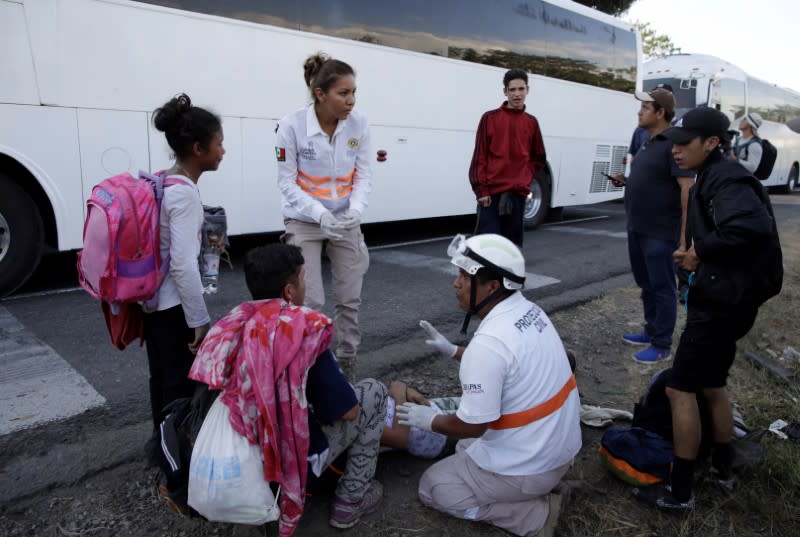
(508,225)
(167,337)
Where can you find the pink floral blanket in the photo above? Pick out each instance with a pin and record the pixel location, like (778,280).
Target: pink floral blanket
(259,354)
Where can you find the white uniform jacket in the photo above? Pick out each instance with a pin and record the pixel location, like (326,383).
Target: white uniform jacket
(316,174)
(514,362)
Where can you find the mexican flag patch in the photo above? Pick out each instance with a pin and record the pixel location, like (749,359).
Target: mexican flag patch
(280,154)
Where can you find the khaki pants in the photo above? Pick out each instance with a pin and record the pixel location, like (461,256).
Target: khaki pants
(349,264)
(459,487)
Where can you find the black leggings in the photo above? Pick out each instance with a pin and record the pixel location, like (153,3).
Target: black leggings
(167,337)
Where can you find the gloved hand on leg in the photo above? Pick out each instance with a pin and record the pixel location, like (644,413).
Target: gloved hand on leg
(414,415)
(350,219)
(438,341)
(330,226)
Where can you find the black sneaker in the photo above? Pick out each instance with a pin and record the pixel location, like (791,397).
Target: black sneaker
(661,496)
(724,480)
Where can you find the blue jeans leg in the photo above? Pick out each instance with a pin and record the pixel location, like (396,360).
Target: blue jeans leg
(654,272)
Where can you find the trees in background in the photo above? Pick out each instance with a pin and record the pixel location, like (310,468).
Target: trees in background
(655,45)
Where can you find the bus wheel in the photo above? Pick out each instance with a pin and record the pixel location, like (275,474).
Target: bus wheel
(538,202)
(21,236)
(791,182)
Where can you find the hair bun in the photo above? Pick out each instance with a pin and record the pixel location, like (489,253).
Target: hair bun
(312,66)
(168,117)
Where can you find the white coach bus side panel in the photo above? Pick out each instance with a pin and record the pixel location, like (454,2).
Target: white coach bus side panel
(787,142)
(425,174)
(112,142)
(45,140)
(220,188)
(261,201)
(247,70)
(16,63)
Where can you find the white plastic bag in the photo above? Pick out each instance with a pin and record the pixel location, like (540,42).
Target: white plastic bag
(226,475)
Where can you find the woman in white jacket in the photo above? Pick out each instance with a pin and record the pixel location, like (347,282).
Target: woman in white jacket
(324,179)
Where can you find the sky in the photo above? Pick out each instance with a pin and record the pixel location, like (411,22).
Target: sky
(759,36)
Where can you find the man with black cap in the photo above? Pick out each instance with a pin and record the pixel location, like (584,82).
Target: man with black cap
(735,256)
(656,197)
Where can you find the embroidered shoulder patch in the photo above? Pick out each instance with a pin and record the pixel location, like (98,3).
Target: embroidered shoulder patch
(280,154)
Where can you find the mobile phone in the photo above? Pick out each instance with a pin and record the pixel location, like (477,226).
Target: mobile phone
(610,177)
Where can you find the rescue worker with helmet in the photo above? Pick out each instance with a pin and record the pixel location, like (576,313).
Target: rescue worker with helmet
(519,415)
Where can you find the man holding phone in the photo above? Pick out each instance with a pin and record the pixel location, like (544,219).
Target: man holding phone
(656,198)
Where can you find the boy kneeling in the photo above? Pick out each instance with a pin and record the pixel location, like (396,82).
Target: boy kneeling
(285,390)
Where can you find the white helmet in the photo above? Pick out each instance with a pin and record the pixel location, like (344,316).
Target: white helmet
(490,251)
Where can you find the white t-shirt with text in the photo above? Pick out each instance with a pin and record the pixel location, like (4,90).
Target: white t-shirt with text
(514,362)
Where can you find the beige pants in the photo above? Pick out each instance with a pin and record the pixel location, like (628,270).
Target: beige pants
(459,487)
(349,264)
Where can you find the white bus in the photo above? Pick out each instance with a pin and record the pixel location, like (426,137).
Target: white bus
(701,80)
(80,78)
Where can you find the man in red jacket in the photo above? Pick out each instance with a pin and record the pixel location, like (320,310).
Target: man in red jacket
(509,152)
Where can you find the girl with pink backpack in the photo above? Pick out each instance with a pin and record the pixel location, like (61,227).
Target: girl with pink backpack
(176,320)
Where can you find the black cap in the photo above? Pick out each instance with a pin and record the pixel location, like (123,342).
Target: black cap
(703,122)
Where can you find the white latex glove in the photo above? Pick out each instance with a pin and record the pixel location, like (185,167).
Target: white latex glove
(330,226)
(350,219)
(414,415)
(438,341)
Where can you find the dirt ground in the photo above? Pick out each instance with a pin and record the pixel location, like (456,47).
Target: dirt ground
(123,502)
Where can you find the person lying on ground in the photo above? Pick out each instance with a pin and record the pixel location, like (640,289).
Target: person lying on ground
(418,442)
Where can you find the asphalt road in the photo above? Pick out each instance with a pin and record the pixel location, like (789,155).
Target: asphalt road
(59,361)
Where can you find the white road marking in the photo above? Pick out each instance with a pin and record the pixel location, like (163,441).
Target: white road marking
(443,265)
(409,243)
(575,220)
(43,293)
(36,384)
(586,231)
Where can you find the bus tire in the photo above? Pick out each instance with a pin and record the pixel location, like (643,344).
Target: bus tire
(791,182)
(537,204)
(21,236)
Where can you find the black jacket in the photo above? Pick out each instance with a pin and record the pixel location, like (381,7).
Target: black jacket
(733,229)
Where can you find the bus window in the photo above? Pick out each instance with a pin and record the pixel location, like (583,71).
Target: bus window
(536,36)
(728,95)
(685,93)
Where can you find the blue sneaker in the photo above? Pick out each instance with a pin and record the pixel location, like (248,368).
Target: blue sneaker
(652,355)
(636,339)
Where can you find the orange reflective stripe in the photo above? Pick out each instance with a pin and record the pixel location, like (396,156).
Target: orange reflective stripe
(314,190)
(318,180)
(347,178)
(524,417)
(313,185)
(625,470)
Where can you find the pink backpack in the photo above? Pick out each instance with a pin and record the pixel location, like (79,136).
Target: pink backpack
(121,257)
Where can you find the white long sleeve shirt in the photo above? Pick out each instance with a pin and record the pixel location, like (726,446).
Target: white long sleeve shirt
(318,174)
(180,227)
(748,153)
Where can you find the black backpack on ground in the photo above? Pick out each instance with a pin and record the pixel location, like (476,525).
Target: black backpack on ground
(179,431)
